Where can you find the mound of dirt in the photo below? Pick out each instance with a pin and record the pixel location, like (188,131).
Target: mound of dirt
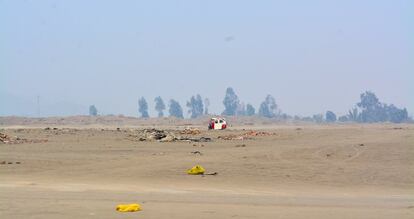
(166,136)
(155,134)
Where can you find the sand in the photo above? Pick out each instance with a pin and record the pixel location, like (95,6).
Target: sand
(303,171)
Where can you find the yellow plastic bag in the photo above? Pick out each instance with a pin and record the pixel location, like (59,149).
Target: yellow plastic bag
(196,170)
(128,208)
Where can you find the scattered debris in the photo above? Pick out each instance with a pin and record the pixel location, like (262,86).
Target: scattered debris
(361,145)
(190,131)
(154,134)
(255,133)
(128,207)
(201,139)
(5,139)
(196,152)
(245,136)
(199,170)
(166,136)
(159,153)
(9,162)
(240,145)
(233,137)
(196,170)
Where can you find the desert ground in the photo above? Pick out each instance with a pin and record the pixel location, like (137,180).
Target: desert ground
(73,170)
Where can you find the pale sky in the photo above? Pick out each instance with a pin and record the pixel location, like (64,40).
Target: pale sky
(312,56)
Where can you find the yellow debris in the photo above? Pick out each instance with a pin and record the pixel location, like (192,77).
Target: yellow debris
(128,207)
(196,170)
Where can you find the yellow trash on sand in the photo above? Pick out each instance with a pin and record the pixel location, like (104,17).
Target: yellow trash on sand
(128,207)
(196,170)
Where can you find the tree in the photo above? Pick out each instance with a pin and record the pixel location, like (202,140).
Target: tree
(195,106)
(143,107)
(369,101)
(372,110)
(206,105)
(250,110)
(353,115)
(343,119)
(175,109)
(396,115)
(268,108)
(317,118)
(330,116)
(159,106)
(93,111)
(231,102)
(241,109)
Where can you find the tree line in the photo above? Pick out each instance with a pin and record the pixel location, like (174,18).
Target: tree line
(368,110)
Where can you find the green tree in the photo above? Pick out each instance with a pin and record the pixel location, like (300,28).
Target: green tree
(268,108)
(370,109)
(330,116)
(318,118)
(396,115)
(93,111)
(250,110)
(241,109)
(159,106)
(231,102)
(195,106)
(175,109)
(143,107)
(206,105)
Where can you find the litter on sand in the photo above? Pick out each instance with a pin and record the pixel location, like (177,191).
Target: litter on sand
(128,207)
(245,136)
(168,136)
(5,139)
(196,170)
(199,170)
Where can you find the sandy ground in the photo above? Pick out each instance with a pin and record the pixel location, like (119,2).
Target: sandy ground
(308,171)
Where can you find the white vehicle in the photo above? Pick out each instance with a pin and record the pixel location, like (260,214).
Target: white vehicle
(217,124)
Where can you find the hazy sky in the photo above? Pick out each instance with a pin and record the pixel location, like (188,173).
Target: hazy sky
(312,56)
